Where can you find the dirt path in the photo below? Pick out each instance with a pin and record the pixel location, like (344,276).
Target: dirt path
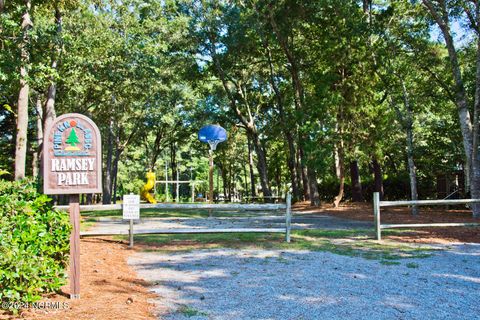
(110,289)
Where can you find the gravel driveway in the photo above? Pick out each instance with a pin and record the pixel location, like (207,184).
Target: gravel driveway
(273,284)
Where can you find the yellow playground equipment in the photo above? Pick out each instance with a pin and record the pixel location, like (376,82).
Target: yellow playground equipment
(145,191)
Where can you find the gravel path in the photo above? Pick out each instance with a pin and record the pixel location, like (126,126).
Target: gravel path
(272,284)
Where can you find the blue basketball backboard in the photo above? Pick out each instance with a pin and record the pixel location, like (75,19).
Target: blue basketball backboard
(212,132)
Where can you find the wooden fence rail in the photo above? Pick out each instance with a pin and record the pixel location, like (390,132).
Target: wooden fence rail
(377,204)
(185,206)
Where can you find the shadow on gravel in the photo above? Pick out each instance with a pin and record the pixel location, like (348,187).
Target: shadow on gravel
(285,284)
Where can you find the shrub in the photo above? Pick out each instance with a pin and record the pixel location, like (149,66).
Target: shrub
(34,243)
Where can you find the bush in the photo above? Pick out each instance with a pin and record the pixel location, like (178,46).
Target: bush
(34,243)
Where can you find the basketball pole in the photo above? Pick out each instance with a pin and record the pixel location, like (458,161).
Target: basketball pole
(210,175)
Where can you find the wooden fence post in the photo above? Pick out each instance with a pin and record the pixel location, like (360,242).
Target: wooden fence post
(178,188)
(288,217)
(376,213)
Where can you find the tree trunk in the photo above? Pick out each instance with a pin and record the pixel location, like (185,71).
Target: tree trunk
(261,165)
(250,166)
(157,147)
(173,167)
(298,171)
(411,164)
(50,113)
(377,177)
(113,188)
(22,105)
(107,182)
(37,154)
(314,195)
(89,198)
(357,195)
(115,178)
(292,166)
(245,177)
(278,180)
(475,191)
(304,174)
(337,162)
(341,170)
(223,172)
(412,170)
(230,183)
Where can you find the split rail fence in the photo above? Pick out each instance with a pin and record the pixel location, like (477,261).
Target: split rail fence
(377,204)
(181,206)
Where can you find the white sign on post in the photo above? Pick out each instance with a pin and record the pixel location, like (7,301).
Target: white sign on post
(131,206)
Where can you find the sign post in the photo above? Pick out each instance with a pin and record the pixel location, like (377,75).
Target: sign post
(74,211)
(131,210)
(72,165)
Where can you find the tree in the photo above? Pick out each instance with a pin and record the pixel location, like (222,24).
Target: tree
(23,95)
(441,12)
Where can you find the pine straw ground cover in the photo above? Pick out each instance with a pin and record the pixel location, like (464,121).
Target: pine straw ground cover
(110,288)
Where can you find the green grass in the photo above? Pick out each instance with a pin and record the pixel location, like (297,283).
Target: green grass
(190,312)
(354,243)
(389,263)
(87,224)
(412,265)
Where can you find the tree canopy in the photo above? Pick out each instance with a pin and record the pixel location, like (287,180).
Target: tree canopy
(333,100)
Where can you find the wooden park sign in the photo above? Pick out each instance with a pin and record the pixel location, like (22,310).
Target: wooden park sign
(72,164)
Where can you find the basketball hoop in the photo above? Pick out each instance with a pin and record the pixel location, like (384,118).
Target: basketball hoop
(213,144)
(213,135)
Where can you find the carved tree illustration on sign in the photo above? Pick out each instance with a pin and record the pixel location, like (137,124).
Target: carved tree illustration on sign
(72,139)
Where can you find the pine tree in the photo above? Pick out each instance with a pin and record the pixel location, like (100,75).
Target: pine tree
(72,138)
